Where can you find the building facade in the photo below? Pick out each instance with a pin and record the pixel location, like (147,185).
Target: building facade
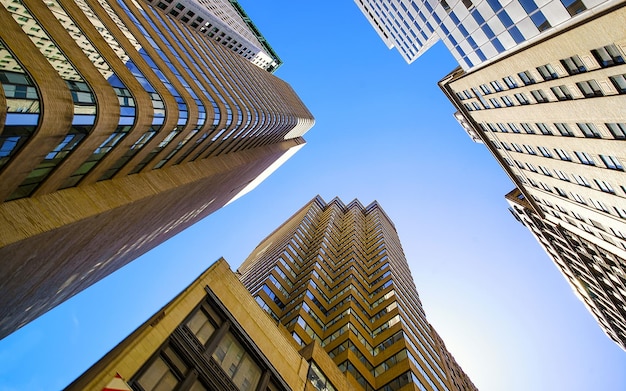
(597,277)
(120,126)
(336,275)
(213,337)
(553,116)
(476,32)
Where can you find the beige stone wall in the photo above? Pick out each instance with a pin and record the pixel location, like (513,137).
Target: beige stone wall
(128,357)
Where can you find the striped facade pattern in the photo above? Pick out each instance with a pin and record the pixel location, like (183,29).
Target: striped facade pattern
(553,117)
(475,31)
(336,274)
(597,277)
(119,127)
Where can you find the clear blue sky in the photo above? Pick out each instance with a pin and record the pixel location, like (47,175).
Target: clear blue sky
(384,132)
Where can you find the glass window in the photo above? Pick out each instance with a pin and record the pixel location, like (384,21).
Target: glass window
(201,326)
(618,130)
(608,56)
(164,373)
(562,93)
(590,88)
(232,357)
(589,130)
(573,65)
(564,129)
(547,72)
(611,162)
(573,7)
(526,77)
(539,96)
(619,81)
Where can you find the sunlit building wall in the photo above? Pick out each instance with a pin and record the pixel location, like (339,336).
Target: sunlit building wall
(475,31)
(212,337)
(553,116)
(336,274)
(120,126)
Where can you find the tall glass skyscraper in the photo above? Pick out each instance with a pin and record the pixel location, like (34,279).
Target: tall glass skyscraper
(122,123)
(336,274)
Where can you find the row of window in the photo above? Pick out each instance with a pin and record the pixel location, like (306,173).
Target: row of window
(605,56)
(589,130)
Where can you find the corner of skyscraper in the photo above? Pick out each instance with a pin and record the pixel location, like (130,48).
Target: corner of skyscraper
(335,274)
(121,124)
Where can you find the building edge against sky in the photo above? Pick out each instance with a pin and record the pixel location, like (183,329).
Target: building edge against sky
(552,114)
(476,32)
(336,274)
(193,341)
(116,134)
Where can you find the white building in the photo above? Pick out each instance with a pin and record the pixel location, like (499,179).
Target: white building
(475,31)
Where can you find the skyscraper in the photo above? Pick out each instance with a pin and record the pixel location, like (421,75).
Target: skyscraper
(475,31)
(553,116)
(596,276)
(336,274)
(120,126)
(212,336)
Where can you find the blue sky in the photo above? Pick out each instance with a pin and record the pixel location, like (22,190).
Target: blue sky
(384,132)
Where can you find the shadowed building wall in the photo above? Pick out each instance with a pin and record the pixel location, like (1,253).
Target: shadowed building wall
(120,126)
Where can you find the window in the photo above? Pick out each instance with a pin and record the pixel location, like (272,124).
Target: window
(573,65)
(564,129)
(547,72)
(619,81)
(561,192)
(506,146)
(608,56)
(584,158)
(539,96)
(604,186)
(510,82)
(528,128)
(589,130)
(563,176)
(521,98)
(562,93)
(544,129)
(514,128)
(590,88)
(544,151)
(531,167)
(611,162)
(236,362)
(581,180)
(529,149)
(618,130)
(201,326)
(496,85)
(562,154)
(485,89)
(507,101)
(579,199)
(164,373)
(318,379)
(503,128)
(495,102)
(526,77)
(545,171)
(573,7)
(517,148)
